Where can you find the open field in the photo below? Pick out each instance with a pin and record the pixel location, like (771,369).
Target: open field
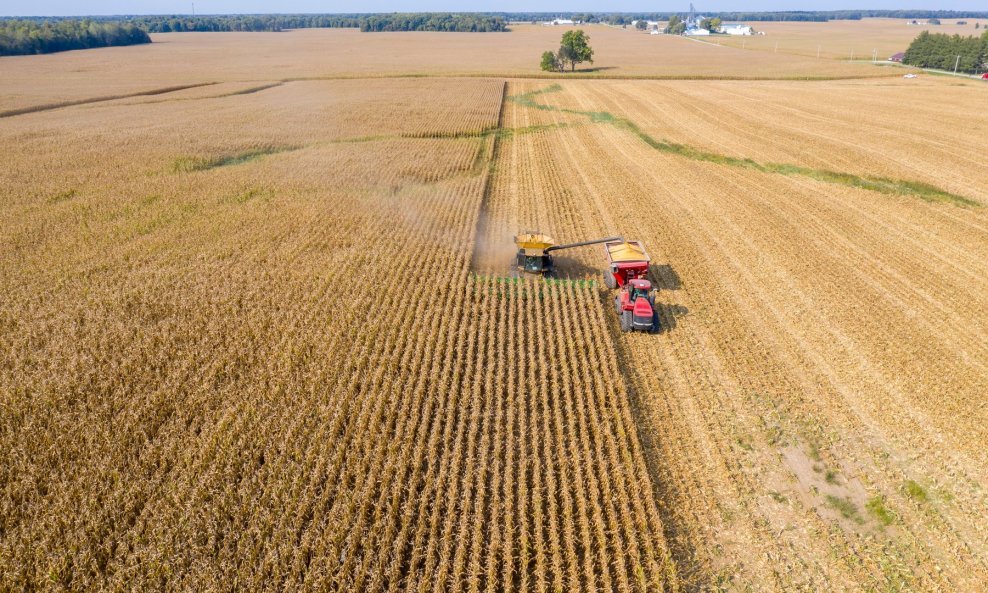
(262,333)
(334,53)
(841,39)
(822,343)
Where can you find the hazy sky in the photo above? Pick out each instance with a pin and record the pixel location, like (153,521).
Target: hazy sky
(77,7)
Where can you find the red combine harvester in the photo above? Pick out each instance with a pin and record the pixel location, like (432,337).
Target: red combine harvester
(627,267)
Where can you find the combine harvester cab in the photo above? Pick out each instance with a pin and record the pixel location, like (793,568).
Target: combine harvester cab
(532,256)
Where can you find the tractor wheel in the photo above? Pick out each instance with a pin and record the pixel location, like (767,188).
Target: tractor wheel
(626,321)
(609,280)
(617,305)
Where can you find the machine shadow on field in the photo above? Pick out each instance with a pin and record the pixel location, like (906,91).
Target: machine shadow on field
(664,277)
(668,313)
(679,534)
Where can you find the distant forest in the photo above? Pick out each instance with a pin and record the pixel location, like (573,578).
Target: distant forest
(50,34)
(464,23)
(20,37)
(625,18)
(431,21)
(41,35)
(943,52)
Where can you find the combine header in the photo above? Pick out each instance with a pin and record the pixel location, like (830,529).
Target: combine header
(627,268)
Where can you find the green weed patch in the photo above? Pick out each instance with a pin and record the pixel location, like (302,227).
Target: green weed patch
(189,164)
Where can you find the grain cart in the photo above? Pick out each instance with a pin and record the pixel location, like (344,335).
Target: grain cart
(626,261)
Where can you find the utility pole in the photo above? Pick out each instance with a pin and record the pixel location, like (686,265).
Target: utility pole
(852,55)
(874,56)
(956,62)
(193,9)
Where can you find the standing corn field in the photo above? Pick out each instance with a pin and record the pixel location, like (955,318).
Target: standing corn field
(262,361)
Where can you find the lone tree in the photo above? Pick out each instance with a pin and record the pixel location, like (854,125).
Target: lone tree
(641,24)
(549,62)
(575,49)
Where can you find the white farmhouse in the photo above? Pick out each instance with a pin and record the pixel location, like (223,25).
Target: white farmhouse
(735,29)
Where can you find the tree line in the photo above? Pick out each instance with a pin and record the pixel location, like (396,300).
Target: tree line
(463,23)
(244,22)
(941,51)
(41,35)
(23,37)
(626,18)
(425,21)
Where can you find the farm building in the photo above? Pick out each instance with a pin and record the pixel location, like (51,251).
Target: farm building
(696,31)
(649,25)
(897,57)
(735,29)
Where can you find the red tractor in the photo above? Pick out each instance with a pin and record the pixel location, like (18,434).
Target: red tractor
(635,306)
(628,265)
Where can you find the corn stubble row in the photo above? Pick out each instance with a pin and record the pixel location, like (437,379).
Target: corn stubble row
(299,385)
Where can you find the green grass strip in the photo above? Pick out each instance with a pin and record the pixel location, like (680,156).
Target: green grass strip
(885,185)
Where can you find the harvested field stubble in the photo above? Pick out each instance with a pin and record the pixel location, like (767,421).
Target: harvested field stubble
(264,58)
(821,343)
(840,39)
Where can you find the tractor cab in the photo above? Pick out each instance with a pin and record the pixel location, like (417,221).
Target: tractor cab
(639,288)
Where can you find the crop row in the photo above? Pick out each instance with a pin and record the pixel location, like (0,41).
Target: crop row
(302,386)
(814,338)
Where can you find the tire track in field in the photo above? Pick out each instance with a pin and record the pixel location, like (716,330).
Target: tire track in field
(73,103)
